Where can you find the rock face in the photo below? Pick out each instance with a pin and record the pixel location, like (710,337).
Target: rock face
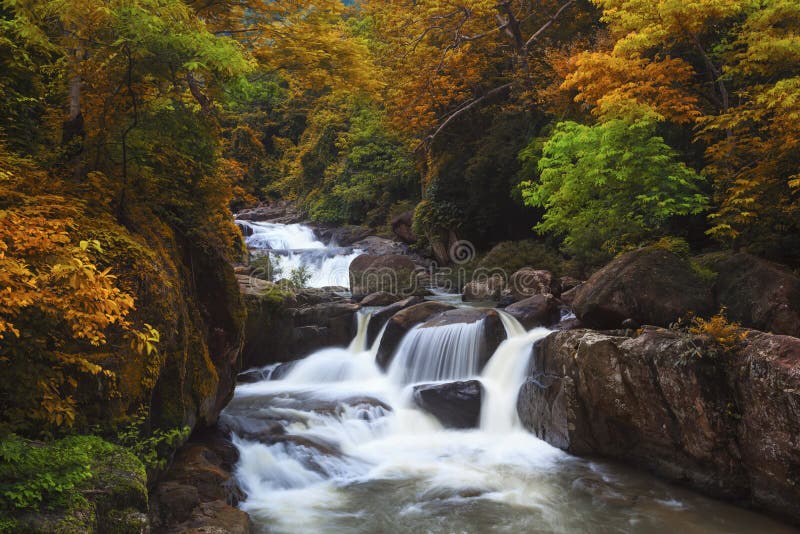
(490,288)
(650,285)
(727,426)
(199,493)
(400,323)
(759,294)
(528,282)
(539,310)
(401,226)
(392,273)
(283,326)
(455,404)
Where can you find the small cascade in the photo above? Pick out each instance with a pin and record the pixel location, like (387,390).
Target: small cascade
(294,246)
(448,352)
(359,343)
(504,374)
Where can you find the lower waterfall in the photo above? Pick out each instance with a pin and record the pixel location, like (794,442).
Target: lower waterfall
(337,445)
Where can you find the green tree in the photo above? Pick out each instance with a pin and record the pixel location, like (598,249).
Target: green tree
(610,185)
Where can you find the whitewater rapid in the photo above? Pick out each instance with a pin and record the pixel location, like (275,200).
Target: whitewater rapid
(356,455)
(295,246)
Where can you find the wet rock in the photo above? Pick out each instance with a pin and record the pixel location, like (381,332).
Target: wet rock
(528,282)
(380,298)
(539,310)
(727,426)
(454,404)
(392,273)
(199,490)
(759,294)
(402,227)
(343,236)
(400,323)
(381,316)
(650,285)
(489,288)
(284,212)
(567,282)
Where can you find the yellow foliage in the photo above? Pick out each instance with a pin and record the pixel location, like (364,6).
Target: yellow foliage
(718,330)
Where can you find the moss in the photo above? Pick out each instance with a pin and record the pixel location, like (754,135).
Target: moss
(76,484)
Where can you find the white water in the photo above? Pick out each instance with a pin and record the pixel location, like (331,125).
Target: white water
(295,245)
(362,459)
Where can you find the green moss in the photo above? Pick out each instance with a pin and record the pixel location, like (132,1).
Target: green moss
(69,485)
(510,256)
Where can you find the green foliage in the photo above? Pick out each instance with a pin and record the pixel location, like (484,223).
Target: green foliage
(299,277)
(434,217)
(153,448)
(607,186)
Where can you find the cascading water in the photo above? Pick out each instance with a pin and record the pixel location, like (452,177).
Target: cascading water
(353,454)
(295,246)
(448,352)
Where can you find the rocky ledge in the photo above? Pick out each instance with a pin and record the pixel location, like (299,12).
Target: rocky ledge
(728,425)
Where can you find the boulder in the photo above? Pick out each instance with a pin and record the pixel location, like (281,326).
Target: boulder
(485,288)
(727,426)
(402,227)
(393,273)
(528,282)
(283,211)
(400,323)
(759,294)
(342,236)
(379,298)
(567,282)
(538,310)
(381,316)
(454,404)
(650,285)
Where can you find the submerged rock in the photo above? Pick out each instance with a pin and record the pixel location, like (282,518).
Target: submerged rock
(650,285)
(454,404)
(727,426)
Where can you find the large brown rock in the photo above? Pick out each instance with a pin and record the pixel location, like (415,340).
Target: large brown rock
(392,273)
(454,404)
(528,282)
(759,294)
(728,426)
(379,298)
(402,227)
(539,310)
(283,326)
(486,288)
(650,285)
(400,323)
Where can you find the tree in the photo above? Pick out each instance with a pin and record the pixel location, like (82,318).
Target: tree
(608,186)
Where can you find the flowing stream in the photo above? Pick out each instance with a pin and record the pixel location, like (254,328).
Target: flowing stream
(295,246)
(353,454)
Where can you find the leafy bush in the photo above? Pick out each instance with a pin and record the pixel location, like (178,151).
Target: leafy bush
(153,448)
(264,268)
(723,336)
(611,185)
(299,277)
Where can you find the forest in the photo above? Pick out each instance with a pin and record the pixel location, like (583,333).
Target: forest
(130,130)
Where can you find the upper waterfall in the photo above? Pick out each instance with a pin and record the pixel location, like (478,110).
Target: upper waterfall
(294,246)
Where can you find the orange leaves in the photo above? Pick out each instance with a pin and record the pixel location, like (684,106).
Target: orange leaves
(616,87)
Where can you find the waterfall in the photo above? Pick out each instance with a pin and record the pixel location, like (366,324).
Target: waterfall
(359,343)
(294,246)
(448,352)
(504,375)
